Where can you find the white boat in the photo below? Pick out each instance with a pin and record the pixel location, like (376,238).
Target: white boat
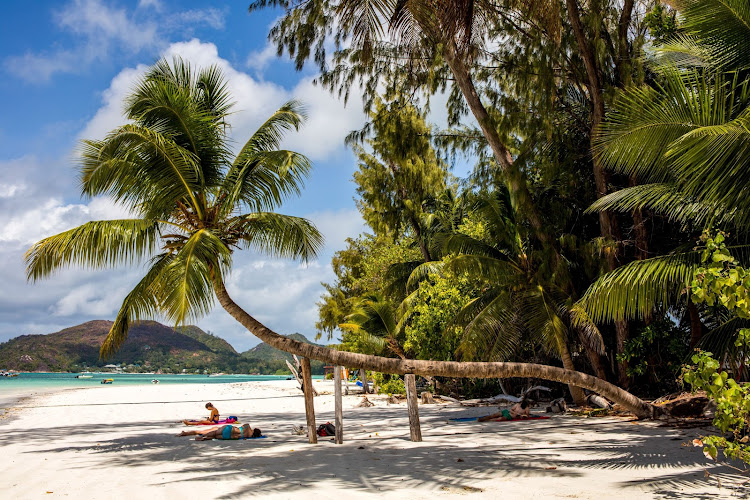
(217,374)
(85,375)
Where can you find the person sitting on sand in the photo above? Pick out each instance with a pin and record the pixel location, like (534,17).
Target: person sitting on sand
(223,432)
(213,418)
(518,410)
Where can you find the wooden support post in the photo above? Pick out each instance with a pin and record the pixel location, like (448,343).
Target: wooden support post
(365,384)
(412,405)
(339,423)
(309,405)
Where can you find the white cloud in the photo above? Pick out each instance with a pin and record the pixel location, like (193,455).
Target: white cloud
(101,30)
(258,60)
(280,293)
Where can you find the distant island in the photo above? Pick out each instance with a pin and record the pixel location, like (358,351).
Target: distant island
(151,347)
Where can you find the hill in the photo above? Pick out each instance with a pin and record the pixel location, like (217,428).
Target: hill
(150,346)
(264,352)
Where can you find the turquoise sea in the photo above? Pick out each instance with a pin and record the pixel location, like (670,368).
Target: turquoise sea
(36,381)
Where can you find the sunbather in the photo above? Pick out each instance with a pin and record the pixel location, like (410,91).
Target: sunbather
(518,410)
(213,418)
(223,432)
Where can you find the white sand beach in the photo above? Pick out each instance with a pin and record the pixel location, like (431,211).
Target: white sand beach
(115,442)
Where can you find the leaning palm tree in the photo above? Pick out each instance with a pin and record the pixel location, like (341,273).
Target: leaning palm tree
(194,204)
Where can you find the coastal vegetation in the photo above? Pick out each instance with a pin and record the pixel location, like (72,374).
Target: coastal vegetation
(604,139)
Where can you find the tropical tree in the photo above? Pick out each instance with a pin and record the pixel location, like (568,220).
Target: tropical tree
(685,138)
(519,299)
(171,167)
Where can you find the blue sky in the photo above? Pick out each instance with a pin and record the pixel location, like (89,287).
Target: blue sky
(65,67)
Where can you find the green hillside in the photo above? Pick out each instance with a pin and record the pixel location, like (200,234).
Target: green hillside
(150,346)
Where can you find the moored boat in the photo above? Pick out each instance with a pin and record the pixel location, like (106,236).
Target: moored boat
(107,380)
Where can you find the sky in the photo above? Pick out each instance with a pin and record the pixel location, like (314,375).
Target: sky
(65,66)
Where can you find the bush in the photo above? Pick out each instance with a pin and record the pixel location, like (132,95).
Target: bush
(389,384)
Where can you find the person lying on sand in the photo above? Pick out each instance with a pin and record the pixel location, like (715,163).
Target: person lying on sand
(223,432)
(518,410)
(213,418)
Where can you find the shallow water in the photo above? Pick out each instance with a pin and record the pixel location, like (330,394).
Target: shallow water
(37,381)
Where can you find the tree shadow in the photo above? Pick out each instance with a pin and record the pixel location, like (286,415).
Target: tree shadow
(377,455)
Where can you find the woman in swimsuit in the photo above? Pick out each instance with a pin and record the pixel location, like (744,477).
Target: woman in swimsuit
(212,419)
(223,432)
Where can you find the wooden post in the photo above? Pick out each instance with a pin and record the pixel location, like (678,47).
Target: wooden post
(339,423)
(412,405)
(365,385)
(309,405)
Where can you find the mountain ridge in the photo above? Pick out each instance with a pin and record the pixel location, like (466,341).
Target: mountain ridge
(150,346)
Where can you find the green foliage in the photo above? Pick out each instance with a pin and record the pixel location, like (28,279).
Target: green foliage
(732,406)
(722,282)
(661,22)
(430,331)
(658,351)
(389,384)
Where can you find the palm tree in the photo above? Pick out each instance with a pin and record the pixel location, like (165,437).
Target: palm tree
(171,167)
(373,326)
(519,299)
(686,138)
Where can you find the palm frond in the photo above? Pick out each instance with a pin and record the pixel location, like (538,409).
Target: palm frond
(665,200)
(277,235)
(141,168)
(634,290)
(422,272)
(265,180)
(139,304)
(493,332)
(722,26)
(185,287)
(93,245)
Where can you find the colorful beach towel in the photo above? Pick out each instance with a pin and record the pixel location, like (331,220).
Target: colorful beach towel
(223,421)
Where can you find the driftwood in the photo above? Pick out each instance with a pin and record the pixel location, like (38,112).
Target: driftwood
(296,372)
(598,401)
(365,403)
(687,405)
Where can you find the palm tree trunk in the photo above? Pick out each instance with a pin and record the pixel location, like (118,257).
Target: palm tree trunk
(453,369)
(516,182)
(607,220)
(576,392)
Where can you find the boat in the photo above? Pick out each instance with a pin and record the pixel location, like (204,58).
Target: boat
(85,375)
(107,380)
(217,374)
(155,381)
(10,373)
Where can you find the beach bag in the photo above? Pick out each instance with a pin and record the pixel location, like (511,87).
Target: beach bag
(231,419)
(326,429)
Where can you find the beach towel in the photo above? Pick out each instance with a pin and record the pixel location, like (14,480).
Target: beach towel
(229,420)
(471,419)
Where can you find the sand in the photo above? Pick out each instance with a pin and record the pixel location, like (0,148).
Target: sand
(115,442)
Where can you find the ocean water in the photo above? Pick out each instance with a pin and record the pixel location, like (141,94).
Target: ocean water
(52,381)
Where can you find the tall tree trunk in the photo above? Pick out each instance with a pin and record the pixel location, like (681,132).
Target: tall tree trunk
(607,220)
(453,369)
(514,178)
